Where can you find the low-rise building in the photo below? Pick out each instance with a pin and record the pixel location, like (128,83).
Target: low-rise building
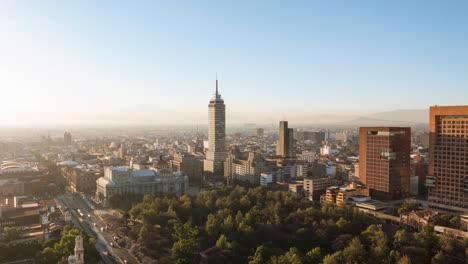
(124,180)
(245,170)
(307,155)
(340,195)
(18,178)
(418,219)
(11,187)
(296,187)
(82,178)
(315,187)
(189,165)
(267,178)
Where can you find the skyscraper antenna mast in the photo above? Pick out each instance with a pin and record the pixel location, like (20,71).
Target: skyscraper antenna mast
(216,83)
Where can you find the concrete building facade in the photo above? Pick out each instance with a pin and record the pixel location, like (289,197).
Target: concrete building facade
(213,164)
(125,180)
(285,143)
(315,187)
(189,165)
(245,170)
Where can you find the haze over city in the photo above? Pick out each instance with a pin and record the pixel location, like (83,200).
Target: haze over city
(116,62)
(259,132)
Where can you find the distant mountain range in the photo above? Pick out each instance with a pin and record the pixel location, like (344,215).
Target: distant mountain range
(412,118)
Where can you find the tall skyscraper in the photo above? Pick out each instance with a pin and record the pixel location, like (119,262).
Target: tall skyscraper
(447,179)
(384,161)
(214,162)
(284,145)
(67,138)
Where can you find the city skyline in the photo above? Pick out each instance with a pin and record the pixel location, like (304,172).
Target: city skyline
(341,135)
(359,59)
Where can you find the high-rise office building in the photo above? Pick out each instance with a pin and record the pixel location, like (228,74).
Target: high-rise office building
(67,138)
(384,161)
(213,164)
(122,151)
(285,143)
(447,179)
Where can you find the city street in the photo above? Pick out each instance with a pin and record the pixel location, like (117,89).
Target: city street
(91,225)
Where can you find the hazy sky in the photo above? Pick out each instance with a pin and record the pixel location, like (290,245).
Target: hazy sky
(271,56)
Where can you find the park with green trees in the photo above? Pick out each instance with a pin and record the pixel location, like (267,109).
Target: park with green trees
(242,225)
(52,251)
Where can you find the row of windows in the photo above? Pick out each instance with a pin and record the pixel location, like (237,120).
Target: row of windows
(451,155)
(459,139)
(454,122)
(452,126)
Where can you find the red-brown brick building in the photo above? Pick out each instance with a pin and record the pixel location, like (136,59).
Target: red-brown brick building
(384,161)
(447,180)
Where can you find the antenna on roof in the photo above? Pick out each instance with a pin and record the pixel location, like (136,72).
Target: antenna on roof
(216,83)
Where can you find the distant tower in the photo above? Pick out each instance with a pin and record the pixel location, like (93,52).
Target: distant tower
(260,132)
(122,151)
(79,250)
(284,146)
(216,153)
(67,138)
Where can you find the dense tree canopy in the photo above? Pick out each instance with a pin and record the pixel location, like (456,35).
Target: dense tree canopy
(242,225)
(52,250)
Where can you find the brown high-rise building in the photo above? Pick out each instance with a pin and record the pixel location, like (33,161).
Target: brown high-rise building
(420,167)
(282,146)
(384,161)
(285,143)
(447,180)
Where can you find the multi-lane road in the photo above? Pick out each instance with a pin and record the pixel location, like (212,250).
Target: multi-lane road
(83,216)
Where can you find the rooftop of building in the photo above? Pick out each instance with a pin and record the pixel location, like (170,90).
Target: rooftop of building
(69,163)
(13,166)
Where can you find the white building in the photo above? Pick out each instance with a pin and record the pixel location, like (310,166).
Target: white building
(327,150)
(266,178)
(124,180)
